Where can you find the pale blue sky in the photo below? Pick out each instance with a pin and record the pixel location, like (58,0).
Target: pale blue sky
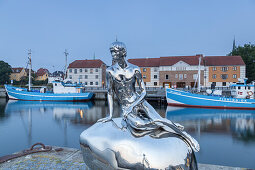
(149,28)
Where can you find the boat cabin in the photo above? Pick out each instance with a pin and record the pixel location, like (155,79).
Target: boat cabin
(61,87)
(242,89)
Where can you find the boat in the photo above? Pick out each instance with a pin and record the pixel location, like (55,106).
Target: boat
(61,91)
(242,97)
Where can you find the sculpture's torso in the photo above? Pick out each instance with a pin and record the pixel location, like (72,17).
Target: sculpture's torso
(123,83)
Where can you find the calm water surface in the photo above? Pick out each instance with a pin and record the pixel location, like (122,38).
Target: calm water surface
(226,137)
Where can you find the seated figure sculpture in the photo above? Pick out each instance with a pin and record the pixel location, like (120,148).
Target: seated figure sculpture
(123,144)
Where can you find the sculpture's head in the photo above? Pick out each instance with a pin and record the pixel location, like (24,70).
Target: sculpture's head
(118,50)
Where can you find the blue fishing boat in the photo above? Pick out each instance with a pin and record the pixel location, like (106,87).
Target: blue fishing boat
(17,93)
(187,99)
(61,91)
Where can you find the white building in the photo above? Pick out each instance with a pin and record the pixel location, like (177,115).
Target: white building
(89,72)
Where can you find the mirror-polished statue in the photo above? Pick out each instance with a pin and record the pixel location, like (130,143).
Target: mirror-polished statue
(141,139)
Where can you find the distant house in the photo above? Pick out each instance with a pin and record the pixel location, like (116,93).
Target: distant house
(89,72)
(18,73)
(56,76)
(42,74)
(223,70)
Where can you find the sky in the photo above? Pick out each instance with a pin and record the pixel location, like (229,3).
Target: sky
(149,28)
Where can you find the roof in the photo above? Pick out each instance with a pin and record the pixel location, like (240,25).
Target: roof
(41,71)
(86,64)
(223,60)
(169,61)
(17,69)
(145,62)
(165,61)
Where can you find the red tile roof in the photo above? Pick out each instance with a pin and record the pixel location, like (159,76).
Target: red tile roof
(145,62)
(169,61)
(165,61)
(17,69)
(223,60)
(41,71)
(86,64)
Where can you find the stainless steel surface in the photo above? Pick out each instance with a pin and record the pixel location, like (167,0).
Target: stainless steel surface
(141,138)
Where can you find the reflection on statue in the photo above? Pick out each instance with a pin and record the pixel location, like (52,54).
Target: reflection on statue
(141,138)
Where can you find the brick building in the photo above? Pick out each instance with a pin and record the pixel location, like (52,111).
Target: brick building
(89,72)
(223,70)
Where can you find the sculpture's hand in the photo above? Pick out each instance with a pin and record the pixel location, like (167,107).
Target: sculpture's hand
(105,119)
(126,111)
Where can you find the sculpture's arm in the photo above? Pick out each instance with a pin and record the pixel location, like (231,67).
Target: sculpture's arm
(142,95)
(109,84)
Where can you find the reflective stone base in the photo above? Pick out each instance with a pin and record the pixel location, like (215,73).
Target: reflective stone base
(111,146)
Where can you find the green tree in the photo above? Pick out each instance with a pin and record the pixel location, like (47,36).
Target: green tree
(5,71)
(247,52)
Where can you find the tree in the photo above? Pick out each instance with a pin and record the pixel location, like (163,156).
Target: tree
(5,71)
(247,52)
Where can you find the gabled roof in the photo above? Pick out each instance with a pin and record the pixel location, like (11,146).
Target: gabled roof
(223,60)
(145,62)
(41,71)
(86,64)
(17,69)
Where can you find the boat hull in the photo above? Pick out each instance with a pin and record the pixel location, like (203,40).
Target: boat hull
(16,93)
(186,99)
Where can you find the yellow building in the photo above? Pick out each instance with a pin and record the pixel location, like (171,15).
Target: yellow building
(18,73)
(42,74)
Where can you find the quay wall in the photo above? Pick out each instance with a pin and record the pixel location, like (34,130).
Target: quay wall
(2,93)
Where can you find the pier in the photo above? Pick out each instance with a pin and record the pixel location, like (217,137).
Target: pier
(70,158)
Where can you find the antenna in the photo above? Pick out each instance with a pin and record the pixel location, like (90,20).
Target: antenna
(94,57)
(66,54)
(30,68)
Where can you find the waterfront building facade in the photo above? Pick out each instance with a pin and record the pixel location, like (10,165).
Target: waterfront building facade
(42,74)
(221,71)
(18,73)
(89,72)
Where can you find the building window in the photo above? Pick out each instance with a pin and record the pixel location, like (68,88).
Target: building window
(155,76)
(86,76)
(224,83)
(96,83)
(155,69)
(194,76)
(224,69)
(86,70)
(166,76)
(214,68)
(70,77)
(224,76)
(86,83)
(185,76)
(155,83)
(91,70)
(70,70)
(176,76)
(96,69)
(96,76)
(80,76)
(144,69)
(80,70)
(180,76)
(234,68)
(75,71)
(214,76)
(144,76)
(91,83)
(234,76)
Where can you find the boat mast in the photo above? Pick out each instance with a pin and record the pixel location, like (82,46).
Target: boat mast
(30,68)
(199,74)
(66,54)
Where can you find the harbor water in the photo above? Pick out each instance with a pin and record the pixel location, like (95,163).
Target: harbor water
(226,137)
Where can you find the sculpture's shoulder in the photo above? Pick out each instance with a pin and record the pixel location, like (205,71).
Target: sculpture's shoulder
(133,67)
(110,70)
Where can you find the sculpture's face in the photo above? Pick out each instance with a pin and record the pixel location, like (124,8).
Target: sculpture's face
(118,51)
